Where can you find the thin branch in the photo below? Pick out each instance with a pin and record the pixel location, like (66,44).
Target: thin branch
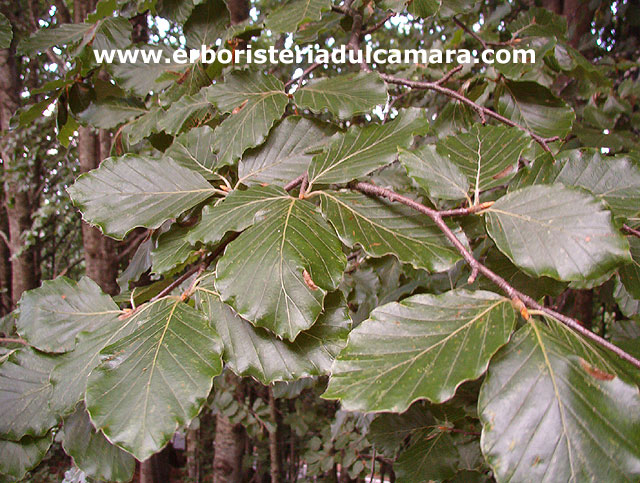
(466,211)
(520,300)
(470,32)
(11,340)
(303,186)
(304,74)
(133,244)
(378,25)
(630,231)
(481,110)
(449,74)
(295,183)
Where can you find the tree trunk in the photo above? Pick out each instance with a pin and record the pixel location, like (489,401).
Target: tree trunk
(274,446)
(229,442)
(5,260)
(193,466)
(16,197)
(157,468)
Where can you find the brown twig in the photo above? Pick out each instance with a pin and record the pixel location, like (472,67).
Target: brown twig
(449,74)
(378,25)
(296,182)
(630,231)
(470,32)
(481,110)
(304,74)
(12,340)
(466,211)
(520,300)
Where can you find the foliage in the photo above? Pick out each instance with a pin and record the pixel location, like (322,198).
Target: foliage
(394,239)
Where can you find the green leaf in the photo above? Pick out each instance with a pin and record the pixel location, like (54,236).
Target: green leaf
(422,347)
(193,150)
(238,211)
(344,95)
(534,107)
(143,77)
(176,10)
(488,155)
(431,455)
(630,274)
(251,351)
(295,258)
(363,149)
(557,232)
(24,395)
(388,431)
(188,110)
(71,371)
(52,315)
(173,249)
(424,8)
(156,379)
(6,32)
(132,191)
(141,127)
(285,154)
(111,112)
(112,33)
(288,17)
(44,39)
(91,452)
(255,102)
(382,228)
(22,456)
(207,23)
(434,173)
(573,420)
(629,306)
(614,179)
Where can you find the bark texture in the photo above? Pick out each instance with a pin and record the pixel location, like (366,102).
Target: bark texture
(229,442)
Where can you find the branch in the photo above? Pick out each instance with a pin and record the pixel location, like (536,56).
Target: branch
(11,340)
(466,211)
(520,300)
(378,25)
(470,32)
(630,231)
(481,110)
(296,182)
(304,74)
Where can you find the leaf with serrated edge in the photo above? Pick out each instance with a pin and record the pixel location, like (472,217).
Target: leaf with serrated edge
(421,348)
(24,395)
(262,273)
(558,232)
(382,228)
(18,457)
(172,249)
(630,274)
(237,212)
(363,149)
(252,351)
(256,101)
(91,452)
(434,173)
(132,191)
(156,379)
(572,420)
(284,156)
(52,315)
(345,95)
(488,155)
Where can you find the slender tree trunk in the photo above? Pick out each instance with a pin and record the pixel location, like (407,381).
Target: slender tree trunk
(229,442)
(193,466)
(274,446)
(5,260)
(16,196)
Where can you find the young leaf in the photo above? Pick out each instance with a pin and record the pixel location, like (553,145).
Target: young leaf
(284,156)
(294,257)
(131,191)
(488,155)
(568,405)
(24,395)
(383,228)
(252,351)
(186,111)
(557,232)
(91,452)
(18,457)
(255,102)
(52,315)
(435,173)
(288,17)
(363,149)
(422,347)
(344,96)
(156,379)
(173,249)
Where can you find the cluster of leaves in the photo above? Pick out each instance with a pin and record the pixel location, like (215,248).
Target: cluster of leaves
(209,151)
